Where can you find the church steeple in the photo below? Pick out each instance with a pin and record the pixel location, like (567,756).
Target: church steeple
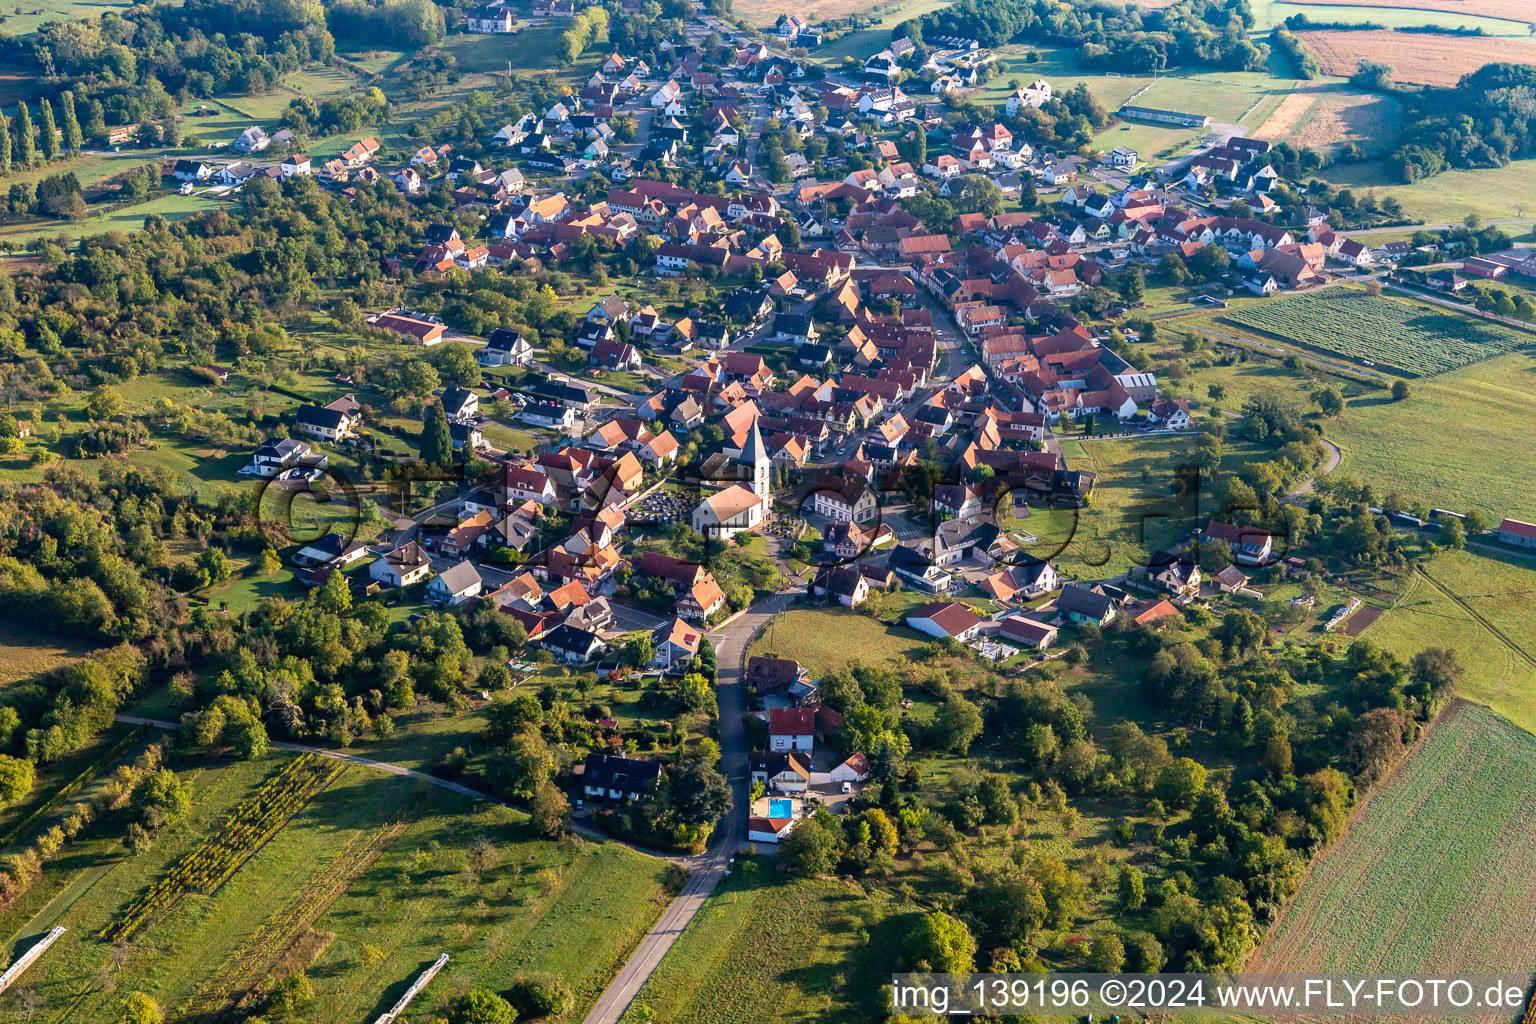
(755,455)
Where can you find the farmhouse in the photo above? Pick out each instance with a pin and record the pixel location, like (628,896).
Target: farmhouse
(1513,531)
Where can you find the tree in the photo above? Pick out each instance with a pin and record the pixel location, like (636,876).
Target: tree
(26,138)
(956,725)
(1329,400)
(813,848)
(1180,782)
(1376,743)
(639,650)
(977,194)
(482,1006)
(139,1008)
(16,778)
(456,365)
(272,563)
(5,144)
(1210,262)
(1108,954)
(73,141)
(1133,888)
(105,403)
(941,944)
(50,130)
(436,439)
(551,810)
(1399,390)
(701,795)
(1133,287)
(543,995)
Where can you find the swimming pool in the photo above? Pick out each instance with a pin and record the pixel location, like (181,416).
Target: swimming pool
(781,808)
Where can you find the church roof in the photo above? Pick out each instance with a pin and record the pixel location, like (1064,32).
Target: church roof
(732,501)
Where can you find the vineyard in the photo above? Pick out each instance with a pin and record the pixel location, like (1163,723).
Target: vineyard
(1364,327)
(257,818)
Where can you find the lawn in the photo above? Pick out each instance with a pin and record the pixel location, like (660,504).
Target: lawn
(368,884)
(1410,336)
(1438,872)
(823,639)
(1496,590)
(24,19)
(730,964)
(171,206)
(1132,512)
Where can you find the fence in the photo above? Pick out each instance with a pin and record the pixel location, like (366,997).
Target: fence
(412,992)
(29,957)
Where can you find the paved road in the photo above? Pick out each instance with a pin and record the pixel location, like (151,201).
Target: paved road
(1331,464)
(707,869)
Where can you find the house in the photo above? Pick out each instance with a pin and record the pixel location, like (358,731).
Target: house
(252,140)
(761,829)
(334,549)
(1155,612)
(295,164)
(548,414)
(791,729)
(768,675)
(945,620)
(610,777)
(677,643)
(401,567)
(572,644)
(781,771)
(1027,633)
(1176,573)
(460,403)
(506,347)
(1171,413)
(455,585)
(491,19)
(842,499)
(1230,580)
(1250,545)
(844,583)
(425,331)
(1081,603)
(701,600)
(1022,582)
(524,483)
(1520,534)
(1123,156)
(855,769)
(191,170)
(275,457)
(334,422)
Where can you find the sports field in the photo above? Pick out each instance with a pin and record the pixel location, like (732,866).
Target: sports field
(1404,335)
(1438,872)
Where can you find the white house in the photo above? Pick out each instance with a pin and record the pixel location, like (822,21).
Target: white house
(506,348)
(855,769)
(676,645)
(781,771)
(252,140)
(945,619)
(455,585)
(401,567)
(791,729)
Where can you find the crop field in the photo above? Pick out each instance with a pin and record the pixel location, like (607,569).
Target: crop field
(729,965)
(1418,59)
(1403,335)
(1452,14)
(1325,115)
(1478,605)
(1437,872)
(1514,10)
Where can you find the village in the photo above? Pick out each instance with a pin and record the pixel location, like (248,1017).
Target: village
(862,337)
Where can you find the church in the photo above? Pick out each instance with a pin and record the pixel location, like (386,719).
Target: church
(741,506)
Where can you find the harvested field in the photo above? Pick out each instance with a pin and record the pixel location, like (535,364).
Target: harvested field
(1438,872)
(1287,116)
(1515,10)
(1324,116)
(1419,59)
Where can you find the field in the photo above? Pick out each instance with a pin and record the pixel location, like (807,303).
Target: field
(1328,114)
(1479,604)
(1454,14)
(364,887)
(765,13)
(24,19)
(1437,872)
(822,639)
(1372,328)
(23,654)
(730,964)
(1419,59)
(1514,10)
